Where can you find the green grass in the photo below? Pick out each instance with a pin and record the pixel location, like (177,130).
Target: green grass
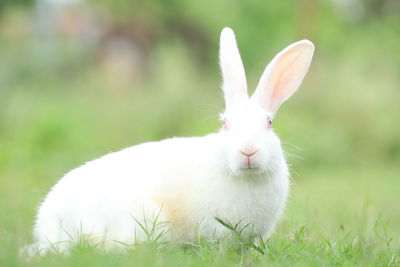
(344,249)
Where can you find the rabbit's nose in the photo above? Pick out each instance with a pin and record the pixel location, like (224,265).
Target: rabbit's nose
(248,151)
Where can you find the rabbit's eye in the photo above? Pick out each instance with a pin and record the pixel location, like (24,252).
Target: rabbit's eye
(269,123)
(224,124)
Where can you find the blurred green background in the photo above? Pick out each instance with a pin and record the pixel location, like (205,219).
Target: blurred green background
(79,79)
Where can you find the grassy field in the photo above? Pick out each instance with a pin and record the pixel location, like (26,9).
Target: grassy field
(341,132)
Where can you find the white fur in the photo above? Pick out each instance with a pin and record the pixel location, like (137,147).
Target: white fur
(186,182)
(233,75)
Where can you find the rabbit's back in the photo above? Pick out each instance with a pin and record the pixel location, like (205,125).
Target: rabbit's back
(103,199)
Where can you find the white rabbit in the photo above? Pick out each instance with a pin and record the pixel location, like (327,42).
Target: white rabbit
(237,174)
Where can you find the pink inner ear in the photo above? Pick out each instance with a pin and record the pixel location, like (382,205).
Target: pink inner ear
(282,76)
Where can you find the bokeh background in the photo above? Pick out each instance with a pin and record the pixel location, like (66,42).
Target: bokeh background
(81,78)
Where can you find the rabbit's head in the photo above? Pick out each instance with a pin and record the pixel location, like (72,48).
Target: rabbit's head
(250,145)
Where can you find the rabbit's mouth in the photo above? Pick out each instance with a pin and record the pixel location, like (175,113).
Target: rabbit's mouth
(250,167)
(249,164)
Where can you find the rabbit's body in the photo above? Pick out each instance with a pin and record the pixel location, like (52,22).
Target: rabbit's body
(181,185)
(101,199)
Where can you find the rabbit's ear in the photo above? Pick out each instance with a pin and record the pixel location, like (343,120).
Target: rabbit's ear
(283,75)
(233,75)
